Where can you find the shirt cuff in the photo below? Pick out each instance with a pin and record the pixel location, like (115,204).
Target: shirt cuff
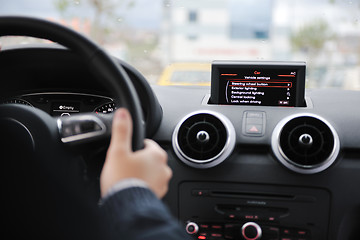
(124,184)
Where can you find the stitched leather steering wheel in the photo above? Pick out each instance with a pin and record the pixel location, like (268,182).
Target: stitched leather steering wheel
(42,176)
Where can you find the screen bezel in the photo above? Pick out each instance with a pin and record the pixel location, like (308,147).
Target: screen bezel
(268,65)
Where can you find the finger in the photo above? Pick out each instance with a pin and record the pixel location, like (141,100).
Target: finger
(121,130)
(155,149)
(167,173)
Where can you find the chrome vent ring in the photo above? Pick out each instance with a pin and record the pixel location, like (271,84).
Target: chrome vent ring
(305,143)
(203,139)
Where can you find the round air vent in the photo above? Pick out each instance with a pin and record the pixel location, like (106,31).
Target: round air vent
(204,139)
(305,143)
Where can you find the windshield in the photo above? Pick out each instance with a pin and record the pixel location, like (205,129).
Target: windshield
(152,35)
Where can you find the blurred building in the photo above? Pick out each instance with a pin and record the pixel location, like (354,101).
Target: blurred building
(205,30)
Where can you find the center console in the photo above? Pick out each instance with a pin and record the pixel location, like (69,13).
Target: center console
(235,210)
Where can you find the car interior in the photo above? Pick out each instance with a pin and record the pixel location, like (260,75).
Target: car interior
(256,155)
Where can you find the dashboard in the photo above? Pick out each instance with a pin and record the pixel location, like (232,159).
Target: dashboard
(241,171)
(254,180)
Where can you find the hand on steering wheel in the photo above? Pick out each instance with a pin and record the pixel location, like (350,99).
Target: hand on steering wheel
(148,164)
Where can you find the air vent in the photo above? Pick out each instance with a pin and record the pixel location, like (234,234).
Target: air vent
(305,143)
(204,139)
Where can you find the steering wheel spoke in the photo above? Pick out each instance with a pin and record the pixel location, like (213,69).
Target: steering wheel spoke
(84,128)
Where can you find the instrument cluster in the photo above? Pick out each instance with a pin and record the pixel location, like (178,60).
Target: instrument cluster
(65,104)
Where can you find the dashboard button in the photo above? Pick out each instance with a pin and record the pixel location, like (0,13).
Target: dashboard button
(251,231)
(192,228)
(216,236)
(199,193)
(253,123)
(254,114)
(302,233)
(254,129)
(270,232)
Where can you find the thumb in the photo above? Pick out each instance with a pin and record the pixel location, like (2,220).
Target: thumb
(121,130)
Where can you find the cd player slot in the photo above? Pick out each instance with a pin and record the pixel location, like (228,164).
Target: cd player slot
(251,195)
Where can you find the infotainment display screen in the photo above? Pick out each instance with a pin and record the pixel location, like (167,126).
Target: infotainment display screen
(258,83)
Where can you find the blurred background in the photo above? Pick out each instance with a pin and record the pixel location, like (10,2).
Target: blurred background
(173,42)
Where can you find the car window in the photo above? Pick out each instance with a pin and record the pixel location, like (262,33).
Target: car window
(324,33)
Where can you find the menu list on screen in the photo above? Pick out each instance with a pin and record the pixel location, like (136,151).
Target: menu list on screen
(258,83)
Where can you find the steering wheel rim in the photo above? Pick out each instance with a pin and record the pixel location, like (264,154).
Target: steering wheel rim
(113,76)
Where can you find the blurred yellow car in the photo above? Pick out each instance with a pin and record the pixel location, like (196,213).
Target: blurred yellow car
(186,74)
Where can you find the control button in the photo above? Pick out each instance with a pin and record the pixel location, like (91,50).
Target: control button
(199,193)
(251,217)
(230,226)
(270,232)
(231,216)
(251,231)
(287,232)
(229,237)
(302,233)
(254,114)
(254,129)
(80,128)
(216,227)
(204,226)
(67,131)
(192,228)
(216,235)
(291,233)
(271,219)
(232,231)
(253,123)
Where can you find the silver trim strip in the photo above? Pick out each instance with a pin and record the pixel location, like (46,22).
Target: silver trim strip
(66,93)
(304,169)
(223,155)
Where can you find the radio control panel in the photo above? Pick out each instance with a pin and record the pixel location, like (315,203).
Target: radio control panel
(221,211)
(243,230)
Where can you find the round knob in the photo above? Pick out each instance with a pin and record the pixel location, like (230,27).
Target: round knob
(251,231)
(192,228)
(306,140)
(203,136)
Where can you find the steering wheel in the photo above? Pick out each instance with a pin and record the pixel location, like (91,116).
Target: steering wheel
(86,127)
(34,145)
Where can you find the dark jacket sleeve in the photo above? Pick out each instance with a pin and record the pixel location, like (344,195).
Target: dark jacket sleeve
(137,214)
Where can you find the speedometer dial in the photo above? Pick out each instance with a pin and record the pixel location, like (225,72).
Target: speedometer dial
(105,108)
(16,101)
